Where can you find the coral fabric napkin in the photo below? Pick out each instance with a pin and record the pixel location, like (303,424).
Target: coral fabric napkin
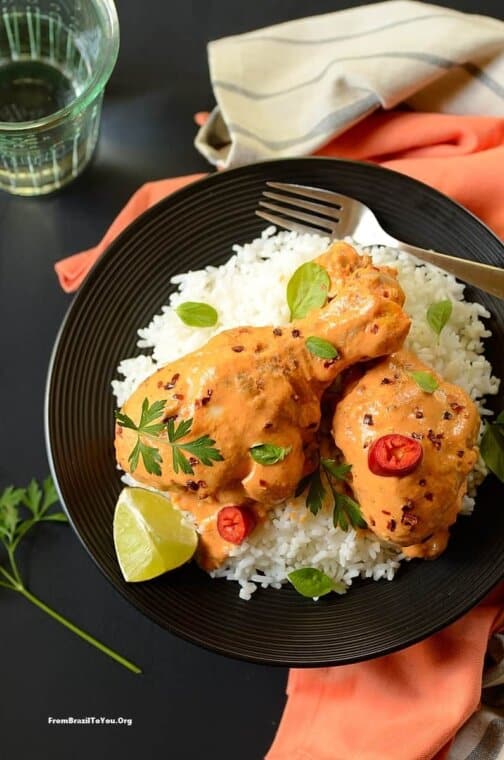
(288,89)
(463,156)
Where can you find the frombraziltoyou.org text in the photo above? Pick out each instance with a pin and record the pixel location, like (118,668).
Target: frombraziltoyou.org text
(89,720)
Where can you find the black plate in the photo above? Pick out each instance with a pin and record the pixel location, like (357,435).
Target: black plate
(192,228)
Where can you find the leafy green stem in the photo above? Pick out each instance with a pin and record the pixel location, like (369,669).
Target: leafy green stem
(78,631)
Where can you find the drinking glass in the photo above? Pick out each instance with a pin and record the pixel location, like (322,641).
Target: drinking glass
(56,57)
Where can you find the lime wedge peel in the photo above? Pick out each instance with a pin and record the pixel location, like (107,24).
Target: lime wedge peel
(151,536)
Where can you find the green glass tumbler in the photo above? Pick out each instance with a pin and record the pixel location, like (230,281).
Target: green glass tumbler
(56,57)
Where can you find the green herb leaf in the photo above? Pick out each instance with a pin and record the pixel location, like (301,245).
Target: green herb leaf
(338,471)
(147,426)
(310,582)
(438,315)
(268,454)
(425,381)
(316,493)
(492,447)
(124,421)
(32,497)
(347,512)
(321,348)
(197,314)
(50,495)
(202,448)
(151,458)
(307,289)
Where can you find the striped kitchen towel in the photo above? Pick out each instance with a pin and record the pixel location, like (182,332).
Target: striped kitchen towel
(289,89)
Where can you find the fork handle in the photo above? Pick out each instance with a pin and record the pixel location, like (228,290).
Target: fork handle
(483,276)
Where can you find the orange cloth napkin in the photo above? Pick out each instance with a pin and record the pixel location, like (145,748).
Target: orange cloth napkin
(408,705)
(463,156)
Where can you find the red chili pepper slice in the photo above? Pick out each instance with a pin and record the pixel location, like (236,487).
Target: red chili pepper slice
(235,523)
(394,454)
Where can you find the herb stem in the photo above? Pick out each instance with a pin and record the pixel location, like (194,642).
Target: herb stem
(78,631)
(14,584)
(13,564)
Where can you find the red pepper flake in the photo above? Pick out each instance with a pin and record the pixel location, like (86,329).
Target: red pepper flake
(193,461)
(407,507)
(418,414)
(172,382)
(456,407)
(260,347)
(386,294)
(417,436)
(192,485)
(447,416)
(263,483)
(386,381)
(329,362)
(296,333)
(396,376)
(422,482)
(268,425)
(373,522)
(238,349)
(170,417)
(207,398)
(202,484)
(374,329)
(160,384)
(409,519)
(277,331)
(119,431)
(391,525)
(178,396)
(435,439)
(429,496)
(384,512)
(366,444)
(368,419)
(460,454)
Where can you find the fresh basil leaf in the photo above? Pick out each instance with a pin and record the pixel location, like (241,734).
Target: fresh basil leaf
(438,315)
(492,448)
(197,314)
(310,582)
(425,381)
(307,289)
(338,471)
(268,454)
(321,348)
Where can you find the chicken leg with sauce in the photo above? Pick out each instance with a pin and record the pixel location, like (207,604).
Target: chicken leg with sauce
(258,385)
(415,509)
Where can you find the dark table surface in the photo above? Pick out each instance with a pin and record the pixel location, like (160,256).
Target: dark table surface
(189,703)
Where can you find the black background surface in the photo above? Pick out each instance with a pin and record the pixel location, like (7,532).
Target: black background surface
(189,703)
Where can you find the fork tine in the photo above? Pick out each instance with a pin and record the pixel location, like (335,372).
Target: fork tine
(318,208)
(287,223)
(316,221)
(335,199)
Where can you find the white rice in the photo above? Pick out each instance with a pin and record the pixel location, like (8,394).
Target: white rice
(249,289)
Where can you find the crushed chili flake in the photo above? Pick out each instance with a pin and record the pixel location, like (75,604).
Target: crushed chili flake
(178,396)
(260,347)
(373,522)
(460,454)
(169,418)
(374,329)
(366,444)
(202,484)
(386,381)
(277,331)
(193,461)
(172,382)
(160,384)
(268,425)
(384,512)
(422,482)
(391,525)
(296,333)
(368,419)
(263,483)
(386,294)
(329,362)
(409,519)
(238,349)
(419,414)
(429,496)
(407,507)
(192,485)
(417,436)
(456,407)
(447,416)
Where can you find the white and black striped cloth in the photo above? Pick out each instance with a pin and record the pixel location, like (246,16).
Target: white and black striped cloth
(288,89)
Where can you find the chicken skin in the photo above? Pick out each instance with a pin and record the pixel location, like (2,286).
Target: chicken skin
(261,385)
(414,509)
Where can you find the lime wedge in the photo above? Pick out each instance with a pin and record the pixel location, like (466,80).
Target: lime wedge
(151,536)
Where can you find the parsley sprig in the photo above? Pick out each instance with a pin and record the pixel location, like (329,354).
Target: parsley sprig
(346,511)
(21,509)
(201,448)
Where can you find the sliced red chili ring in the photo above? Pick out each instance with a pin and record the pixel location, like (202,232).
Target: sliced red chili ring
(235,523)
(394,454)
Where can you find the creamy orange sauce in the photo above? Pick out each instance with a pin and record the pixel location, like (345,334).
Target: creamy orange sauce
(416,510)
